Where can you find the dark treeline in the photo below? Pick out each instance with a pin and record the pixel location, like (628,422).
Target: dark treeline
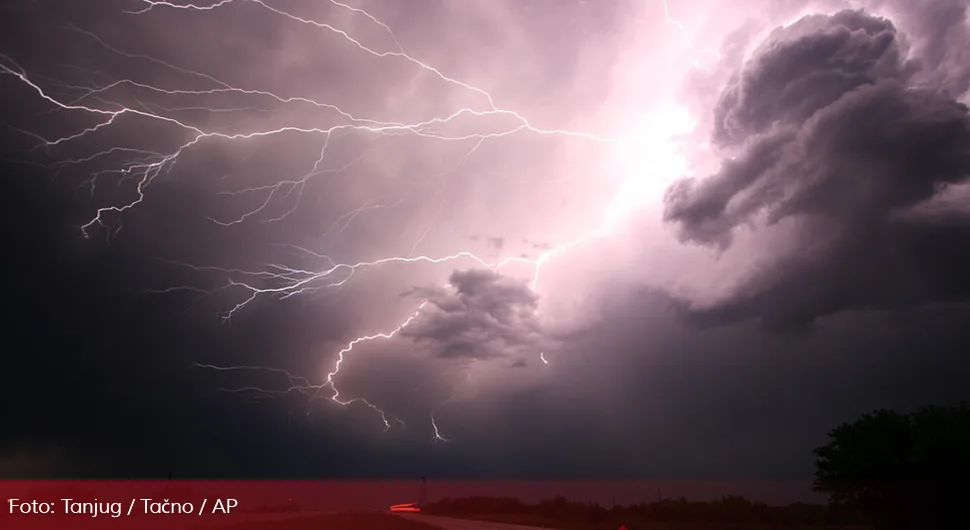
(731,509)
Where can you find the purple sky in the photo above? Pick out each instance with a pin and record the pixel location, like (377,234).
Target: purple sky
(627,239)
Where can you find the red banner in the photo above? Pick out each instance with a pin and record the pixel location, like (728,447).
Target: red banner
(70,505)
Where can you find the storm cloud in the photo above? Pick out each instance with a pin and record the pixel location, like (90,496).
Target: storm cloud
(479,315)
(830,129)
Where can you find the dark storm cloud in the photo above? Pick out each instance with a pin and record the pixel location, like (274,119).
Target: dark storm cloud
(832,129)
(700,403)
(804,68)
(940,35)
(481,314)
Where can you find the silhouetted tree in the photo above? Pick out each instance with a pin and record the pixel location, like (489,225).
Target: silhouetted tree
(907,471)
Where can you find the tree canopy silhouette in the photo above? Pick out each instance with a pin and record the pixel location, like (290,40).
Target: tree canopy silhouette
(907,471)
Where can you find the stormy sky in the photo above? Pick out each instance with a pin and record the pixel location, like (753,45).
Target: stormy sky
(535,238)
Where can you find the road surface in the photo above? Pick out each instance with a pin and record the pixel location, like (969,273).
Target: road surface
(448,523)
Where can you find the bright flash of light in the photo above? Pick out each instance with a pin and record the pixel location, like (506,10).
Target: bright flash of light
(643,153)
(650,163)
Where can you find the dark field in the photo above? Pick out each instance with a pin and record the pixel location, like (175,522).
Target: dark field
(560,524)
(734,513)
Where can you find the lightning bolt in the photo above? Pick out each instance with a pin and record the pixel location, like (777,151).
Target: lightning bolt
(683,31)
(143,166)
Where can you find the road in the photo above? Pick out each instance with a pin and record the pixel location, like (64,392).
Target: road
(448,523)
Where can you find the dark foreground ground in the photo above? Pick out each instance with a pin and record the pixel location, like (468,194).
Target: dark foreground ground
(551,523)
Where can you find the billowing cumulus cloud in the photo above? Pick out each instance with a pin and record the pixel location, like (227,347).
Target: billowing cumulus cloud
(830,126)
(804,68)
(479,315)
(939,34)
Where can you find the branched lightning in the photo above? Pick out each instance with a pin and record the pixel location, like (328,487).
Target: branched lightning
(683,30)
(143,166)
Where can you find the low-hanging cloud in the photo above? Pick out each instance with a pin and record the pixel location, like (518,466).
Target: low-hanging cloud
(481,314)
(832,126)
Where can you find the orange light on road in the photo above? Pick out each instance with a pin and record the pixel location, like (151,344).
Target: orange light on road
(408,507)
